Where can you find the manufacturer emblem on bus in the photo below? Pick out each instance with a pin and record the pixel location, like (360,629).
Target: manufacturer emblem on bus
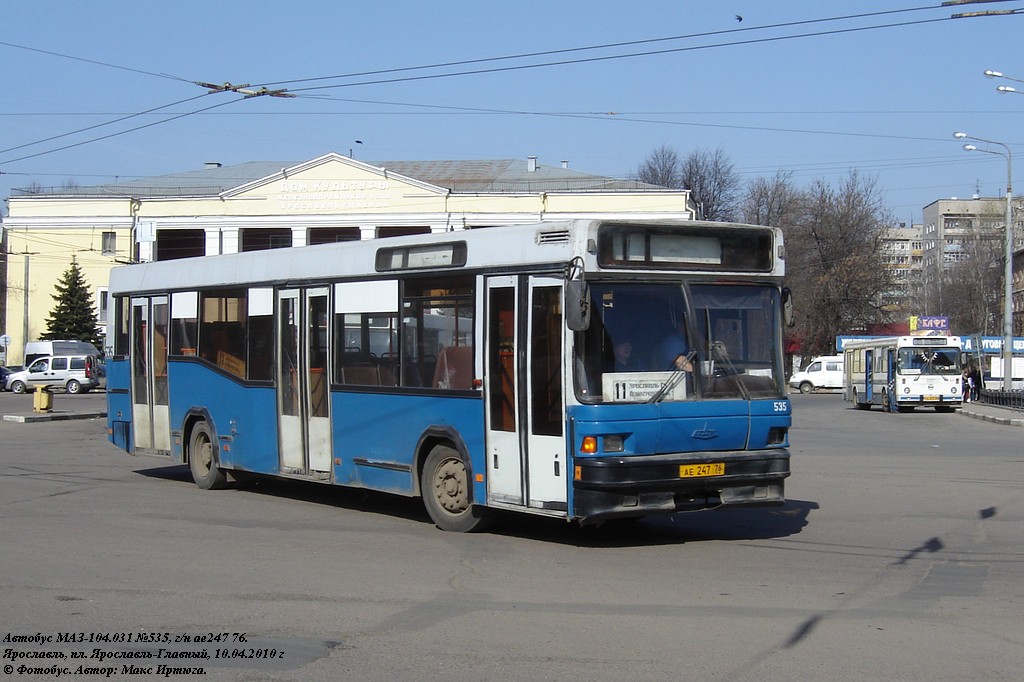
(705,433)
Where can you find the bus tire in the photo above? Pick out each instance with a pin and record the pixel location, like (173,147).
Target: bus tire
(858,404)
(201,461)
(806,387)
(444,484)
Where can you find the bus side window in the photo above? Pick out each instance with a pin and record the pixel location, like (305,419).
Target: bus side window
(122,323)
(366,349)
(184,323)
(261,348)
(438,318)
(222,331)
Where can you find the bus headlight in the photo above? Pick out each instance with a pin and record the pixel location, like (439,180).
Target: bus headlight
(613,443)
(609,443)
(906,389)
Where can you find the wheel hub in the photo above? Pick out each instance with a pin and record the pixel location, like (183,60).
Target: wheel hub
(450,486)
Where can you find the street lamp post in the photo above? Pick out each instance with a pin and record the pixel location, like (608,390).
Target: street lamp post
(1007,255)
(1004,88)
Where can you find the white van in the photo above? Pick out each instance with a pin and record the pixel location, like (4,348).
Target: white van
(73,373)
(37,349)
(825,371)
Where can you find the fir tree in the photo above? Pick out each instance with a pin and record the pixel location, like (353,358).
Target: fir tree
(73,315)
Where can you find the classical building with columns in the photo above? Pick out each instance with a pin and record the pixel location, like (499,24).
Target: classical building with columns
(261,205)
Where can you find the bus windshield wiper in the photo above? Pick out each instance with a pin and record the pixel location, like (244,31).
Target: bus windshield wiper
(673,380)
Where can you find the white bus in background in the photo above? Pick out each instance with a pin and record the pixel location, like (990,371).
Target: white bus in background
(995,373)
(985,353)
(903,372)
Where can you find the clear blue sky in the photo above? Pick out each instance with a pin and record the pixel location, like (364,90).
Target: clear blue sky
(884,101)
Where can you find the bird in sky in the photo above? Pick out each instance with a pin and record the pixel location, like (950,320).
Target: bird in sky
(739,18)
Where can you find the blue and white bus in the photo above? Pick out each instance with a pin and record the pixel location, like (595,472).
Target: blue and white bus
(900,373)
(481,370)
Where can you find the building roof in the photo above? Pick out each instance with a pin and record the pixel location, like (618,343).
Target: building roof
(481,176)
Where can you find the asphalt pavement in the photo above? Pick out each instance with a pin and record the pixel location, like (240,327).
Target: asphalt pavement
(19,408)
(93,405)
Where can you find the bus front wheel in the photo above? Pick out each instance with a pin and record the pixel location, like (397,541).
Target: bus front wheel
(858,404)
(444,484)
(205,472)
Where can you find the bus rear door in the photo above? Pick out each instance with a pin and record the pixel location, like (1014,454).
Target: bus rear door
(151,431)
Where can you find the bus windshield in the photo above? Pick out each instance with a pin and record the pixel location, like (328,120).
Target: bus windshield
(661,342)
(917,360)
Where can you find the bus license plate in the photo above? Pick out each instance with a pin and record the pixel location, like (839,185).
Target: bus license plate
(700,470)
(931,398)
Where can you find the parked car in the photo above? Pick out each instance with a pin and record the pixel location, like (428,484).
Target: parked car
(73,373)
(6,371)
(825,371)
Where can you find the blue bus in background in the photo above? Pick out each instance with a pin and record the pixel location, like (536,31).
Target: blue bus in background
(584,370)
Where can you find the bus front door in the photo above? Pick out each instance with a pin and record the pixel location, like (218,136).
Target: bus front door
(526,458)
(303,382)
(151,429)
(869,376)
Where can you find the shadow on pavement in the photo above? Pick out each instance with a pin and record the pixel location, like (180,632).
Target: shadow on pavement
(756,523)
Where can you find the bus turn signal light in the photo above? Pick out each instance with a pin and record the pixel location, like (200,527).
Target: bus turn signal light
(589,445)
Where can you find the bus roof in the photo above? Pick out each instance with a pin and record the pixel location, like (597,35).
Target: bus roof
(900,341)
(552,243)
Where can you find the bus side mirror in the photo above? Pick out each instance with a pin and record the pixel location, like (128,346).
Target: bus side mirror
(787,307)
(577,297)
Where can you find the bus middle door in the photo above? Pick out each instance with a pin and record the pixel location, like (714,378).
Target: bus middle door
(303,382)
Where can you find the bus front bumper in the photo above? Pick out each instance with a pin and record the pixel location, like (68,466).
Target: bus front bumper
(618,487)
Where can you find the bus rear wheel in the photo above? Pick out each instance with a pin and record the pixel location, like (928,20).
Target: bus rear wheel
(202,463)
(444,484)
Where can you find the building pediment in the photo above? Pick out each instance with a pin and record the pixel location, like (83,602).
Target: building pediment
(334,183)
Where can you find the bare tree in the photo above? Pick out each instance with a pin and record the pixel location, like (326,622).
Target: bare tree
(771,201)
(972,286)
(661,167)
(835,261)
(713,183)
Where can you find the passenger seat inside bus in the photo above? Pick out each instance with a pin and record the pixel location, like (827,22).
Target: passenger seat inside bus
(454,368)
(364,370)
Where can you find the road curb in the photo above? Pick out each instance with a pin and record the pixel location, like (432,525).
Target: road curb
(52,417)
(1007,421)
